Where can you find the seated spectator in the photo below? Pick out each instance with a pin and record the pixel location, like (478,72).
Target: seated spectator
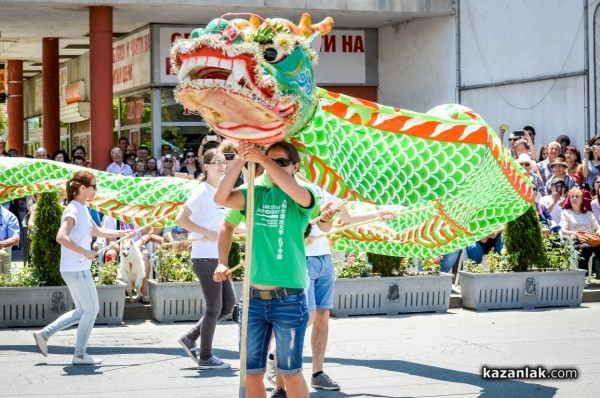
(130,160)
(529,130)
(60,156)
(229,149)
(574,167)
(80,151)
(477,250)
(9,236)
(192,166)
(595,192)
(78,161)
(168,167)
(543,153)
(525,145)
(131,149)
(577,217)
(142,153)
(564,142)
(13,153)
(559,170)
(531,169)
(3,147)
(140,169)
(151,167)
(591,165)
(549,226)
(165,150)
(208,142)
(555,200)
(544,165)
(123,143)
(41,153)
(118,166)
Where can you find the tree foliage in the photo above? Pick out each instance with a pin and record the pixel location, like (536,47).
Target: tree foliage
(523,238)
(45,251)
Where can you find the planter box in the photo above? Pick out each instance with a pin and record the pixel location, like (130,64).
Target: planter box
(522,289)
(112,304)
(39,306)
(394,295)
(176,301)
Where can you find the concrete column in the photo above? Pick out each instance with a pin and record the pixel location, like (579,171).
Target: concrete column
(15,106)
(51,100)
(101,93)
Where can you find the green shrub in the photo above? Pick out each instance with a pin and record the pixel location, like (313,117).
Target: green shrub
(45,251)
(523,238)
(235,258)
(172,266)
(385,265)
(24,277)
(106,274)
(355,266)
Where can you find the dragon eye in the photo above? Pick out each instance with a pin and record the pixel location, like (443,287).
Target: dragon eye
(273,56)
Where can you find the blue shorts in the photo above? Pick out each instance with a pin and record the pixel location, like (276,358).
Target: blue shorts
(322,277)
(286,316)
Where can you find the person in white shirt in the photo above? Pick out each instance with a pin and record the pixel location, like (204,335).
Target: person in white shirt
(118,166)
(74,236)
(202,217)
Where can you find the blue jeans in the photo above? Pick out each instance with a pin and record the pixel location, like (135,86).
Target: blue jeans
(84,294)
(322,277)
(448,261)
(475,251)
(286,316)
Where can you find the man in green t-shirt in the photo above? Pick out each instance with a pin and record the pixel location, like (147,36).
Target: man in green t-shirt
(278,272)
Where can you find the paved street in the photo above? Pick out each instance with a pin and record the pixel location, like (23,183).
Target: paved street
(420,355)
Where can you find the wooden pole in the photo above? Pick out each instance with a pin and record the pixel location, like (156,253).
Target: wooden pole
(125,237)
(248,264)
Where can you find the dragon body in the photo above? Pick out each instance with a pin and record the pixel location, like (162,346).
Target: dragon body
(445,172)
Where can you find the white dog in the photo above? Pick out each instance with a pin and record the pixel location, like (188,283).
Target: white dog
(132,267)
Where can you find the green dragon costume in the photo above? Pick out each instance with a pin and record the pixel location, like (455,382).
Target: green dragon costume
(445,172)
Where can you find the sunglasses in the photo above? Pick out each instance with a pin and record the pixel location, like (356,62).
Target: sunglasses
(168,161)
(525,164)
(513,139)
(219,162)
(92,185)
(283,162)
(190,156)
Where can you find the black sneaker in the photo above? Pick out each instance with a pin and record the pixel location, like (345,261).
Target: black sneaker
(324,382)
(213,363)
(279,393)
(190,348)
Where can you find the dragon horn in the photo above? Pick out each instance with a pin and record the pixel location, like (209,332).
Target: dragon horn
(254,21)
(308,29)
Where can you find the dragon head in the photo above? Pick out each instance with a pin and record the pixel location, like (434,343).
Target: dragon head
(250,79)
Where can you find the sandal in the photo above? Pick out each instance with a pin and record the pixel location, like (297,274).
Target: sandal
(145,300)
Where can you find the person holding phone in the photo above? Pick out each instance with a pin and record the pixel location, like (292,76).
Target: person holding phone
(555,200)
(209,141)
(591,165)
(229,149)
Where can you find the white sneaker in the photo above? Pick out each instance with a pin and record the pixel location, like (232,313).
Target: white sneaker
(86,360)
(42,343)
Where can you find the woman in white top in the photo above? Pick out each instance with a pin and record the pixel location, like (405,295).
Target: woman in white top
(74,235)
(202,217)
(577,217)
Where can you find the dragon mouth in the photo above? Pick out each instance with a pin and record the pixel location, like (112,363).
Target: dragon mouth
(227,92)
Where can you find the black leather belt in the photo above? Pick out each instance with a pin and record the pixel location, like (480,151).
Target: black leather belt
(272,294)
